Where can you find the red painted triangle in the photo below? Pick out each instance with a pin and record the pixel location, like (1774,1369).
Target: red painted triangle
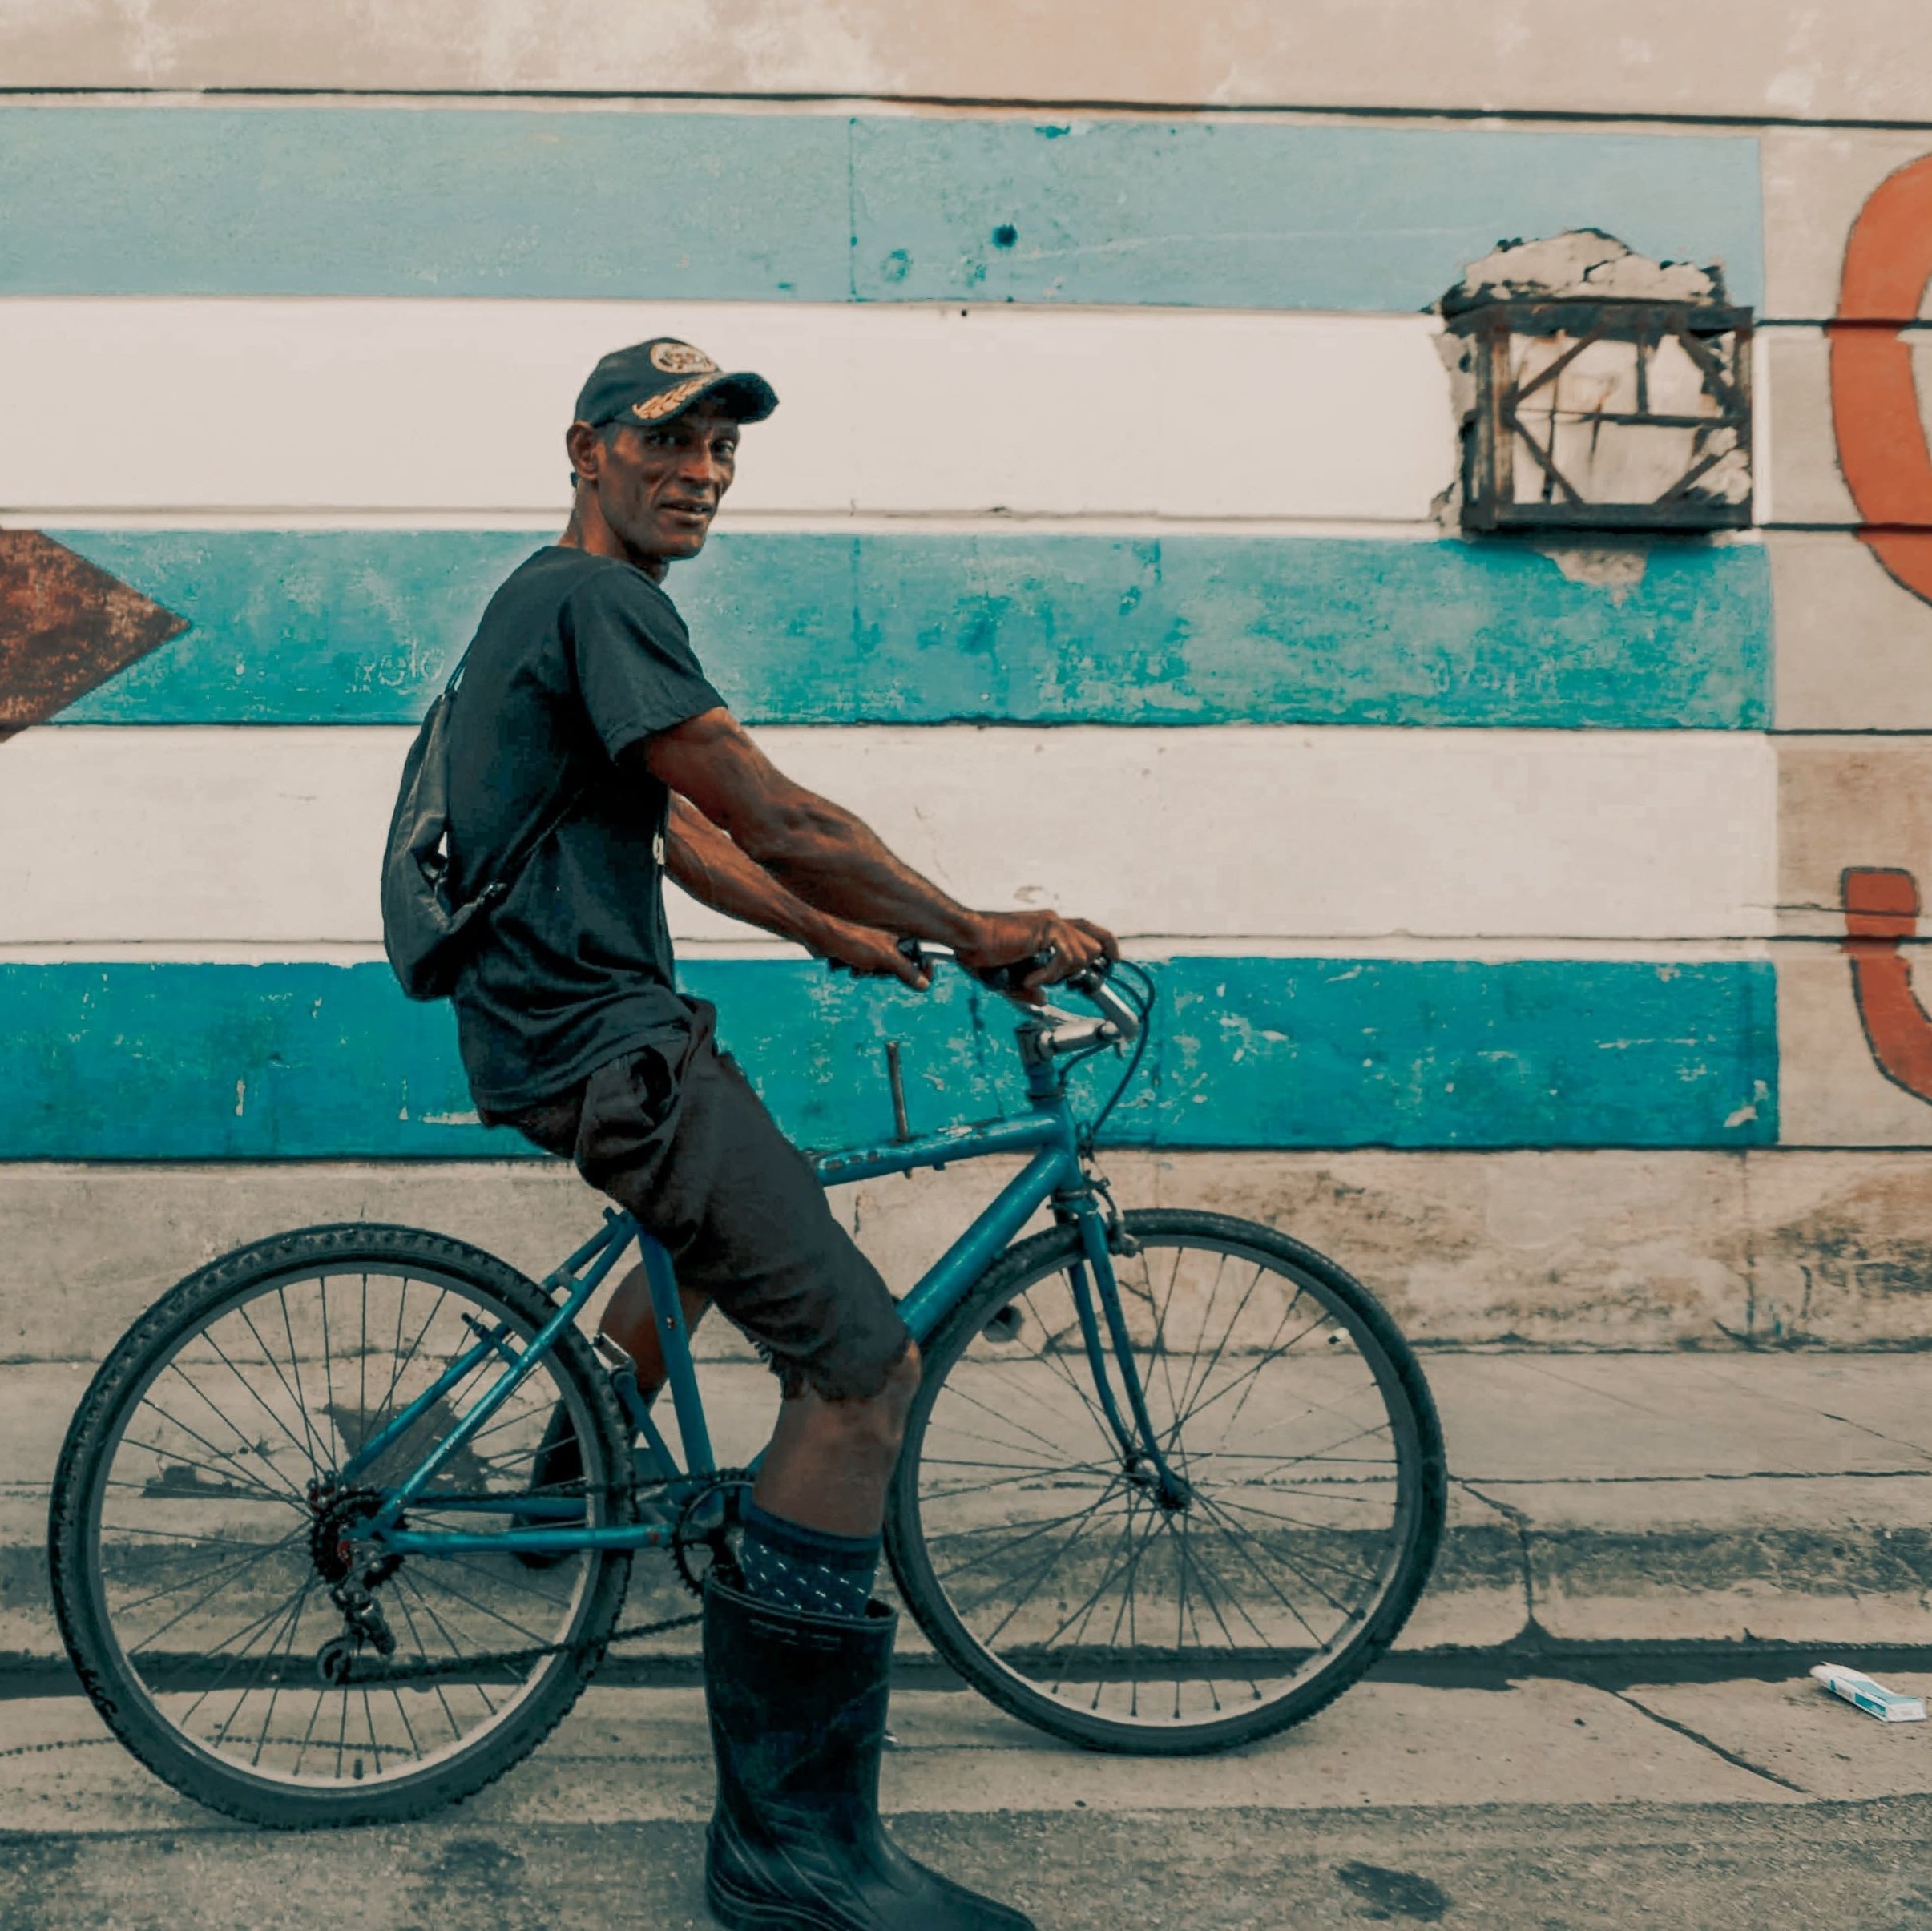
(65,626)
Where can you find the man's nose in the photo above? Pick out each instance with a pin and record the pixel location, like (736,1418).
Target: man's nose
(702,470)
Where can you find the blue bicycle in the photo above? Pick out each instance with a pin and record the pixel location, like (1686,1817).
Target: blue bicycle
(1172,1480)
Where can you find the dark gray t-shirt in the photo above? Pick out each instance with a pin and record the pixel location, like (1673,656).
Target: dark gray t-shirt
(576,658)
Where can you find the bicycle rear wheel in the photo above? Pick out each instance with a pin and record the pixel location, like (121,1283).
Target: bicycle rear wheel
(199,1527)
(1041,1559)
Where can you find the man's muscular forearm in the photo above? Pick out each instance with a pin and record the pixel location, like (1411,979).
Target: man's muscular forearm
(715,872)
(830,858)
(821,853)
(712,868)
(833,860)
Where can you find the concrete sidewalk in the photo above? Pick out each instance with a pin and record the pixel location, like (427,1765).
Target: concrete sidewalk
(1687,1807)
(1596,1499)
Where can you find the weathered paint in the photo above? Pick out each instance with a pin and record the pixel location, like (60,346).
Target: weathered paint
(1815,179)
(1876,409)
(204,1061)
(1853,648)
(65,626)
(1783,58)
(1243,215)
(1844,803)
(1832,1090)
(362,626)
(1245,831)
(1842,1248)
(1881,908)
(884,412)
(1572,1249)
(351,200)
(1798,467)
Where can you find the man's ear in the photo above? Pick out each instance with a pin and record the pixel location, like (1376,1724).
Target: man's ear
(585,447)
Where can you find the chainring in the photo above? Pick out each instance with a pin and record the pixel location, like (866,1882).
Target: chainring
(705,1523)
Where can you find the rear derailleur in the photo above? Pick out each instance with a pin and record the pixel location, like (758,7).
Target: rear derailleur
(337,1555)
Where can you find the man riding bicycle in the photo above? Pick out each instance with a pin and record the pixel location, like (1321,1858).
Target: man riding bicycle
(581,685)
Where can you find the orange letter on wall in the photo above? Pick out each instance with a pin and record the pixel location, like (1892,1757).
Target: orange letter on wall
(1874,399)
(1881,911)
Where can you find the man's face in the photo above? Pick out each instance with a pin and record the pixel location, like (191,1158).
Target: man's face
(659,485)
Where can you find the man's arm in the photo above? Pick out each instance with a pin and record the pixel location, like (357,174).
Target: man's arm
(833,861)
(716,872)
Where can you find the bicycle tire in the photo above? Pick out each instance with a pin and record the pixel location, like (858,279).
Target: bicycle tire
(921,1504)
(185,1318)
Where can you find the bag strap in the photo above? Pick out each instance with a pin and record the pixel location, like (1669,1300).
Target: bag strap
(547,821)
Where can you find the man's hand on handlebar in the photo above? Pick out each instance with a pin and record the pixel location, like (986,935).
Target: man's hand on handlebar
(869,953)
(1059,948)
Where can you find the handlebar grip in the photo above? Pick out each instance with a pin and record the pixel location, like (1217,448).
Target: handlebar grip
(999,978)
(1011,977)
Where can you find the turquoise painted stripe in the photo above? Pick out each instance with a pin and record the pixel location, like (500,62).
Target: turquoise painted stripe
(819,208)
(360,627)
(130,1061)
(1252,215)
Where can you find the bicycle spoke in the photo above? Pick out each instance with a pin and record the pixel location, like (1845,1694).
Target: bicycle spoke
(208,1401)
(456,1729)
(211,1611)
(1288,1529)
(221,1455)
(1231,1531)
(1040,1576)
(429,1609)
(233,1569)
(328,1373)
(275,1368)
(292,1499)
(449,1588)
(1032,1534)
(529,1587)
(1207,1595)
(275,1688)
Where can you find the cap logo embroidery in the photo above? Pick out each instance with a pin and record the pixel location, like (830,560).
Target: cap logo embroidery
(668,401)
(681,359)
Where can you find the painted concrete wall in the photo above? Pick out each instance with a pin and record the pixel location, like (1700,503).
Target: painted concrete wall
(1862,59)
(1499,897)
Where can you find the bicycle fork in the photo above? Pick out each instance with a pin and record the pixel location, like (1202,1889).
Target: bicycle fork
(1143,1460)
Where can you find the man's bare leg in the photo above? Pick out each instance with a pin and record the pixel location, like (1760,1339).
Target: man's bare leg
(629,1322)
(830,1462)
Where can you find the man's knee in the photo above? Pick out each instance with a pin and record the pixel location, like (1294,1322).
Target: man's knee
(880,1414)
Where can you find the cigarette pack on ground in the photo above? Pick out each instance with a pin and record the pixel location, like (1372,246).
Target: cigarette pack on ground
(1874,1698)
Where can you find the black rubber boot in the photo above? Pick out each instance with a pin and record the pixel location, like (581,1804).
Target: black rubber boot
(798,1708)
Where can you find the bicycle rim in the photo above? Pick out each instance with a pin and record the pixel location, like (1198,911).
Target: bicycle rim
(1046,1562)
(216,1527)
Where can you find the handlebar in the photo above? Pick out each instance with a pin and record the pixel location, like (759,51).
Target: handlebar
(1119,1021)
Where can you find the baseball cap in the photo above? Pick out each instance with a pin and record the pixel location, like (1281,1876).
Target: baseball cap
(654,380)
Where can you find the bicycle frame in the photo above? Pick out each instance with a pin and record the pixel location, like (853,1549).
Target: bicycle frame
(1054,1175)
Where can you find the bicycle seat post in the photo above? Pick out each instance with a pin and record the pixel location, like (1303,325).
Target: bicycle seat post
(895,1077)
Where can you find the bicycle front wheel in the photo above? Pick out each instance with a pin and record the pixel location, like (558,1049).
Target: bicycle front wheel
(218,1599)
(1048,1564)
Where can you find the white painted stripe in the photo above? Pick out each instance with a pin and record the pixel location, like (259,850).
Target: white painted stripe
(540,523)
(1149,946)
(413,406)
(272,835)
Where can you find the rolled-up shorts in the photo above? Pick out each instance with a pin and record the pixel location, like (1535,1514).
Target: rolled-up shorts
(673,1133)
